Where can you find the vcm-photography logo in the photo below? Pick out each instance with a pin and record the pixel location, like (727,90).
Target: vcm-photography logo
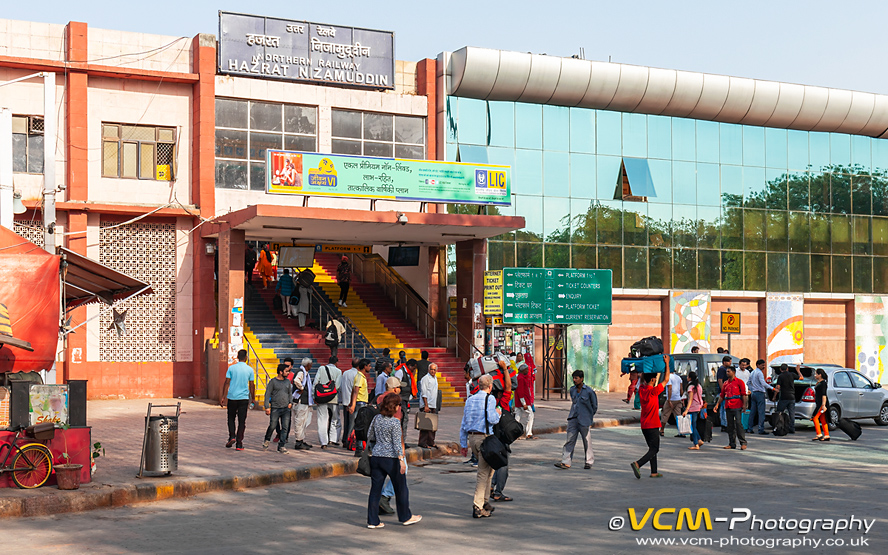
(677,519)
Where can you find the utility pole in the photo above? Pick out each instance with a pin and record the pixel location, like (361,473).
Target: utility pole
(49,166)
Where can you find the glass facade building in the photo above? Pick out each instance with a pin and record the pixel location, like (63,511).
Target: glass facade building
(734,207)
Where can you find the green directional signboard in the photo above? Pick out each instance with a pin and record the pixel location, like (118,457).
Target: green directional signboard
(556,296)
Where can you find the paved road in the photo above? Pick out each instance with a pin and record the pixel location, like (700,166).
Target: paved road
(555,511)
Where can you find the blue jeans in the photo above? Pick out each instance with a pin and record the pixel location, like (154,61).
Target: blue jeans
(695,435)
(380,467)
(500,476)
(790,406)
(280,420)
(388,490)
(757,411)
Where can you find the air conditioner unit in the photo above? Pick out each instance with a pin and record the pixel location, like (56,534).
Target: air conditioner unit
(35,125)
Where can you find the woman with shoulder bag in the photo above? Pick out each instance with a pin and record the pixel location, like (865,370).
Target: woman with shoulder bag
(693,408)
(388,459)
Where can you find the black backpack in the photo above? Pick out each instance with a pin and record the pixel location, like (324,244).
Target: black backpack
(781,423)
(646,347)
(363,418)
(331,335)
(508,429)
(493,450)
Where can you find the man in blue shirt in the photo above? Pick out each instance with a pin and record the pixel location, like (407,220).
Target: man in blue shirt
(480,414)
(757,389)
(584,405)
(238,391)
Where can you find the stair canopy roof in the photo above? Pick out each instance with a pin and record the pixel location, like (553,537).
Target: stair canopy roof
(363,227)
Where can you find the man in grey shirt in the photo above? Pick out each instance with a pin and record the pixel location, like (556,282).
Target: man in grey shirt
(278,402)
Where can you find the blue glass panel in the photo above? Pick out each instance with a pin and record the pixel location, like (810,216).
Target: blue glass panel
(556,128)
(635,135)
(684,139)
(840,150)
(880,155)
(753,146)
(775,197)
(450,152)
(528,126)
(730,143)
(608,133)
(528,174)
(754,187)
(661,173)
(861,154)
(707,141)
(532,209)
(707,185)
(640,182)
(556,173)
(684,225)
(582,176)
(797,148)
(608,171)
(659,137)
(732,186)
(452,108)
(582,130)
(501,156)
(502,123)
(660,225)
(583,220)
(556,219)
(472,121)
(684,182)
(472,154)
(819,151)
(775,148)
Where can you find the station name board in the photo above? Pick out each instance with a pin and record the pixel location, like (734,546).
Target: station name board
(289,50)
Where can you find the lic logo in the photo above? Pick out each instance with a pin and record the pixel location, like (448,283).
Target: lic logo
(490,182)
(481,179)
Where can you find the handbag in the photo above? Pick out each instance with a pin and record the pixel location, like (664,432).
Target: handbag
(684,424)
(494,451)
(325,392)
(426,421)
(364,463)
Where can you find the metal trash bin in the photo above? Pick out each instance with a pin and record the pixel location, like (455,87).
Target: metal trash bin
(160,446)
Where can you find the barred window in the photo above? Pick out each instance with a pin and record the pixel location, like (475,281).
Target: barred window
(27,144)
(245,130)
(138,151)
(374,134)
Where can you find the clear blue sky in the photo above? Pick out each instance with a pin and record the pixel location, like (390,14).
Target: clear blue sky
(834,44)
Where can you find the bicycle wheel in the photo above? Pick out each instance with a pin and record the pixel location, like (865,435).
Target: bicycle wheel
(31,467)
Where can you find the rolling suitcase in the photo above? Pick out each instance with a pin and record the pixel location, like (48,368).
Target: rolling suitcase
(850,427)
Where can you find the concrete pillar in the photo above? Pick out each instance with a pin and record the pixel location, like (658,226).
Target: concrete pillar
(471,261)
(231,287)
(434,285)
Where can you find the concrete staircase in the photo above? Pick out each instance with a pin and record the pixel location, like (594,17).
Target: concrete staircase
(381,322)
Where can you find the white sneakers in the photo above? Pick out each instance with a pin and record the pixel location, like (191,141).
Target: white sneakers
(342,304)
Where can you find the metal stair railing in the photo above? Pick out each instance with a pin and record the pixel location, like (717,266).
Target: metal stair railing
(255,356)
(324,311)
(372,269)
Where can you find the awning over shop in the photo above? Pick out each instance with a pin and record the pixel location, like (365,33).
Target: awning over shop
(360,227)
(86,281)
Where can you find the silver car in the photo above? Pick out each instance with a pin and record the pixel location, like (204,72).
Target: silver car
(850,395)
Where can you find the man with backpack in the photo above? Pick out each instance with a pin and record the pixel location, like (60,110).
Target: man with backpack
(333,334)
(303,399)
(481,413)
(285,287)
(346,391)
(328,380)
(502,391)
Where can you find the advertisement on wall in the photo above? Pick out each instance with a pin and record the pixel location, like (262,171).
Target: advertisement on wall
(305,173)
(289,50)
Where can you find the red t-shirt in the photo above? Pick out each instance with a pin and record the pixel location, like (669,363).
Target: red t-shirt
(733,388)
(650,406)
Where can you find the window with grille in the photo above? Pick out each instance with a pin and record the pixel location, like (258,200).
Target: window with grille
(245,130)
(373,134)
(27,144)
(138,151)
